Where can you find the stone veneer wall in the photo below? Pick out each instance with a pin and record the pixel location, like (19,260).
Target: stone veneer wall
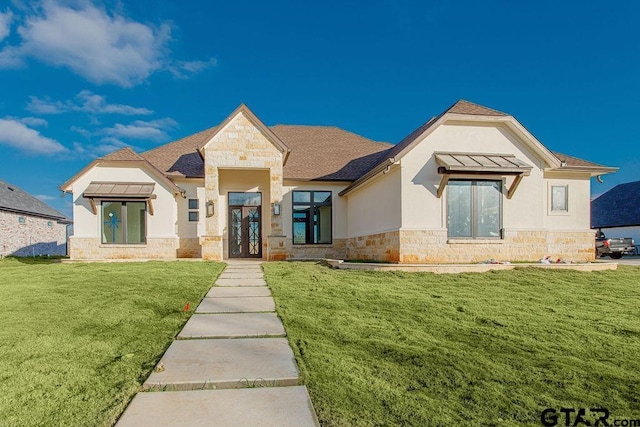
(34,237)
(242,145)
(431,246)
(189,248)
(336,250)
(91,248)
(375,247)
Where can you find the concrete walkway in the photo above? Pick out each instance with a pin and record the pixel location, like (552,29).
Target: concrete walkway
(230,364)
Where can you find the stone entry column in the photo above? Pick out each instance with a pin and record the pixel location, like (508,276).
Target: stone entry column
(212,240)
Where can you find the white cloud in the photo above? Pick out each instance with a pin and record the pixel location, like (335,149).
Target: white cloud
(16,134)
(46,106)
(100,47)
(5,24)
(139,129)
(92,103)
(185,69)
(85,101)
(34,121)
(44,197)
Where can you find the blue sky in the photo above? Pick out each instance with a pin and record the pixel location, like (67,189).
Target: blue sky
(81,78)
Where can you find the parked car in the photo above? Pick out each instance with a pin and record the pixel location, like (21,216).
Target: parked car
(615,247)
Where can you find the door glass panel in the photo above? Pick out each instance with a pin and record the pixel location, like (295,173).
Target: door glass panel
(254,231)
(245,199)
(235,232)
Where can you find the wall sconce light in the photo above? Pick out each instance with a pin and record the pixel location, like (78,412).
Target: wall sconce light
(210,208)
(276,208)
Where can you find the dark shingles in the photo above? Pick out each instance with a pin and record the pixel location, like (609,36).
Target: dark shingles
(618,207)
(15,199)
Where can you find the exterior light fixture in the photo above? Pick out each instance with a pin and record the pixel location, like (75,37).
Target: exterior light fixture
(276,208)
(210,210)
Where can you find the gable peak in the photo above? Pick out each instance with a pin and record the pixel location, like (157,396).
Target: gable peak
(470,108)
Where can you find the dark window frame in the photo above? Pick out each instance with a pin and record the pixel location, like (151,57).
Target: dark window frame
(473,218)
(310,235)
(124,221)
(192,210)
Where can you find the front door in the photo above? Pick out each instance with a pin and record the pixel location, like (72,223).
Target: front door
(245,227)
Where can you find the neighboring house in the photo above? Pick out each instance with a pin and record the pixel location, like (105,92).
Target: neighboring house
(468,185)
(28,226)
(617,212)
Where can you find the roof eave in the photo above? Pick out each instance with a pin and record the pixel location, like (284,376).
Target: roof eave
(367,176)
(66,187)
(591,170)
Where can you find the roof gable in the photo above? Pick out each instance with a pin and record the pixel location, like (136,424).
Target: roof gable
(15,199)
(255,121)
(618,207)
(124,157)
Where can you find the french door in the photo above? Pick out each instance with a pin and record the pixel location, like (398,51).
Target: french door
(245,234)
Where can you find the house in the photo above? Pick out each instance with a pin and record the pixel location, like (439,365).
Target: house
(28,226)
(617,212)
(468,185)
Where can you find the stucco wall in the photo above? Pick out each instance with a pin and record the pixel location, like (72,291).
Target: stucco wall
(376,206)
(36,236)
(188,231)
(160,227)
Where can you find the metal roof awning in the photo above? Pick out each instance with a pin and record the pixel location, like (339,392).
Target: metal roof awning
(451,164)
(120,191)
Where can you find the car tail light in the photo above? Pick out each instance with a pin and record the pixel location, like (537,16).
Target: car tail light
(606,243)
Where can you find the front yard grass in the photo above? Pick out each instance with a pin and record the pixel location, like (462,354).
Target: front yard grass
(493,348)
(77,340)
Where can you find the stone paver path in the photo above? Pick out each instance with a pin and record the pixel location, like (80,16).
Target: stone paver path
(230,365)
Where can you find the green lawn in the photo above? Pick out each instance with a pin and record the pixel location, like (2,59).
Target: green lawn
(77,340)
(466,349)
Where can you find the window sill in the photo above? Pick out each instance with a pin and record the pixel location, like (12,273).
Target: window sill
(311,245)
(475,241)
(559,213)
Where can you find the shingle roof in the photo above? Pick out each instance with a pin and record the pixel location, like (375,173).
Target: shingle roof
(317,152)
(574,161)
(336,154)
(618,207)
(123,154)
(15,199)
(327,152)
(181,157)
(466,107)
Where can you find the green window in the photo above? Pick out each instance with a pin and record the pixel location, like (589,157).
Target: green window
(312,211)
(474,209)
(124,222)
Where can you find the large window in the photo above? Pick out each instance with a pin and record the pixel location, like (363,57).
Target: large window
(474,209)
(124,222)
(311,217)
